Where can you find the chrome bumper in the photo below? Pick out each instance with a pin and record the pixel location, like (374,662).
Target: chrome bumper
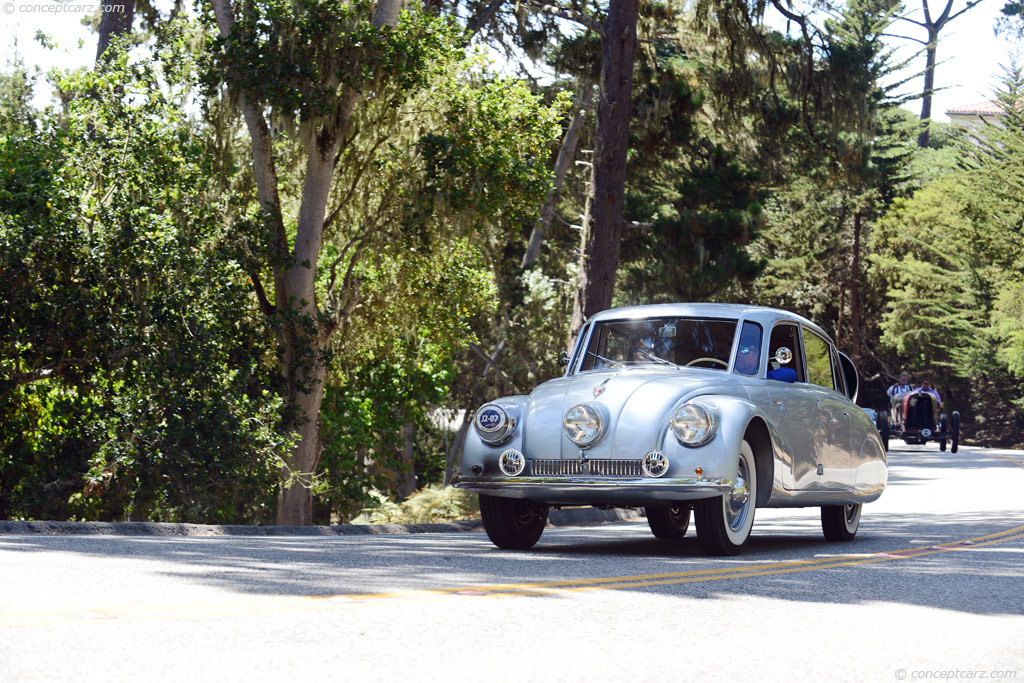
(591,490)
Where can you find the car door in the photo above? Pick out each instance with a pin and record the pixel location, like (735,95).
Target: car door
(833,447)
(793,411)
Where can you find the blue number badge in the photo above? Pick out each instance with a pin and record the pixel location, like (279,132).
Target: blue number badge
(490,419)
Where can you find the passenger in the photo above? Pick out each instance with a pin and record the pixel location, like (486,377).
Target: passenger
(782,374)
(901,387)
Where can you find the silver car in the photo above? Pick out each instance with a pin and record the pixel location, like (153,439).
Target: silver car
(715,408)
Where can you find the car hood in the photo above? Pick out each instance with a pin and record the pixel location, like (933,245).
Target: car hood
(638,403)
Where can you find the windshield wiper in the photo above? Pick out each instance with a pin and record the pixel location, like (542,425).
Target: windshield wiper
(609,361)
(647,354)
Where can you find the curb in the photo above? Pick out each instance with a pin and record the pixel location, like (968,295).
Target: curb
(566,517)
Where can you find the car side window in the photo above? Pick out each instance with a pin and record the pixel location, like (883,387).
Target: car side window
(748,354)
(787,335)
(819,361)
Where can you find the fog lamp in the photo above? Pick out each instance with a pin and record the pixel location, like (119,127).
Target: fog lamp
(655,463)
(512,462)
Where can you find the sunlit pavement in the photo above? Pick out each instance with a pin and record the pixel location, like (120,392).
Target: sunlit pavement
(932,583)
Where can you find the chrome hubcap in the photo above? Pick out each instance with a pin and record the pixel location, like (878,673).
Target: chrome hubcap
(737,504)
(851,513)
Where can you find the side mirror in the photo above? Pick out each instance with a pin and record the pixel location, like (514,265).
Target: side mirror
(783,355)
(563,359)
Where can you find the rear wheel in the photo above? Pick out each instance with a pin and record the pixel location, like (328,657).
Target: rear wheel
(513,523)
(840,522)
(724,522)
(955,436)
(944,427)
(669,523)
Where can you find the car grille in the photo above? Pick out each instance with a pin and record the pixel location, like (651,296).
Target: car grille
(585,468)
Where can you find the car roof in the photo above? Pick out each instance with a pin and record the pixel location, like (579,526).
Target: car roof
(761,314)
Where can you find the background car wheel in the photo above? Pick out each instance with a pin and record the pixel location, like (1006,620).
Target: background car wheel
(883,431)
(669,523)
(955,428)
(840,522)
(724,522)
(944,428)
(513,523)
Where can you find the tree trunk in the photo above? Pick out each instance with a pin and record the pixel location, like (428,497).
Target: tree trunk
(116,21)
(842,312)
(855,292)
(566,154)
(387,12)
(407,473)
(602,228)
(304,338)
(929,87)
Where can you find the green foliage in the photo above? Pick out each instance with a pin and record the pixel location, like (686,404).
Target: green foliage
(430,504)
(489,156)
(936,296)
(701,198)
(118,287)
(397,367)
(950,258)
(1008,329)
(303,57)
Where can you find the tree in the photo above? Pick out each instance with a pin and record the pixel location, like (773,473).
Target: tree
(338,79)
(602,226)
(950,257)
(131,382)
(933,27)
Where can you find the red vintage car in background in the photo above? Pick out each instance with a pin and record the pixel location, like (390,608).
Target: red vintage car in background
(917,418)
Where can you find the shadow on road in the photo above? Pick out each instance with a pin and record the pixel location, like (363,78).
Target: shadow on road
(979,579)
(982,581)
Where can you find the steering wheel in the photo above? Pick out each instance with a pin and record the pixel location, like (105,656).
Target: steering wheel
(708,360)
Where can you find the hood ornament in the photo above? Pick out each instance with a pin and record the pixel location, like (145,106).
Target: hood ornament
(599,389)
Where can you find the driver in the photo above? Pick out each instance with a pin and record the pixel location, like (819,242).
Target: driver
(926,387)
(748,359)
(643,350)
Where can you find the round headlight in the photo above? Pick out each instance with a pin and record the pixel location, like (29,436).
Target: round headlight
(693,425)
(512,462)
(493,424)
(655,463)
(583,424)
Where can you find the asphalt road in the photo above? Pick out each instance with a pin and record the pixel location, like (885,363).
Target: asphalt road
(932,588)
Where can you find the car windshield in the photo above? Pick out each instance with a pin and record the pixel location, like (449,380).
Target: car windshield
(696,342)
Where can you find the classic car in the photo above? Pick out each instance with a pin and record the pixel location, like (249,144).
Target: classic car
(917,418)
(715,408)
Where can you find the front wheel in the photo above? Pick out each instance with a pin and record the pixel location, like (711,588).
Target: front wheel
(840,522)
(513,523)
(669,523)
(724,522)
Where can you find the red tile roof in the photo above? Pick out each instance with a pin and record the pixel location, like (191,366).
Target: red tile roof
(986,108)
